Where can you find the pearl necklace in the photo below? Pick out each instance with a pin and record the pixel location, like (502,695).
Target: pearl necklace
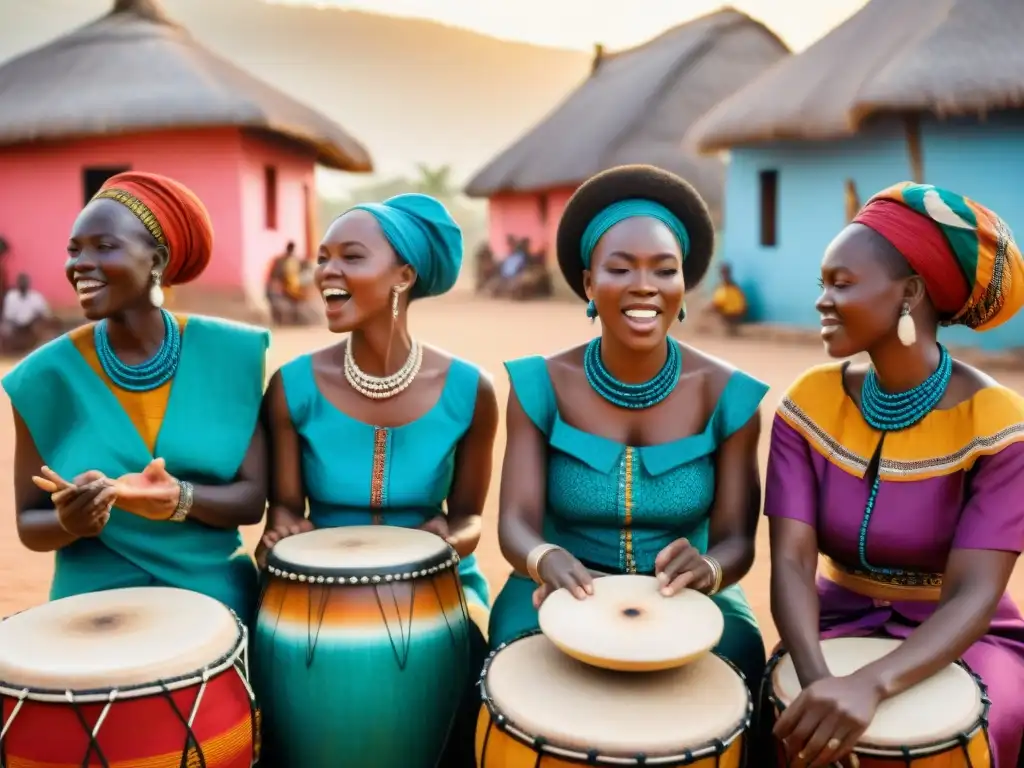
(383,387)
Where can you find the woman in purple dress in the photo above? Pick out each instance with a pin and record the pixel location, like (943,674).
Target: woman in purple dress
(906,474)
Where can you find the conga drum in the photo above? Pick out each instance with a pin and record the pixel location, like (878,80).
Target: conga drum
(545,709)
(147,677)
(361,649)
(939,723)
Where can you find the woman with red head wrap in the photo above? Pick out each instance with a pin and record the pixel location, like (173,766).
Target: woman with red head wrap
(906,474)
(129,485)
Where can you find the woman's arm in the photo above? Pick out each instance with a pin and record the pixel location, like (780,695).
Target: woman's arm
(474,460)
(987,543)
(734,518)
(241,502)
(287,491)
(523,498)
(791,504)
(38,526)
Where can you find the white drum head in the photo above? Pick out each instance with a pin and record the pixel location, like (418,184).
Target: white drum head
(576,707)
(360,549)
(932,711)
(628,625)
(119,638)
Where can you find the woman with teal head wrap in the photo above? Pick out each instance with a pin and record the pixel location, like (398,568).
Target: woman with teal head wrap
(379,428)
(632,453)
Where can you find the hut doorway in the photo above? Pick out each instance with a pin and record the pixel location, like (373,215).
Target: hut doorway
(93,179)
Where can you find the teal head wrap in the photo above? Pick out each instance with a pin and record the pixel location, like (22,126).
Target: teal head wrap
(629,209)
(425,236)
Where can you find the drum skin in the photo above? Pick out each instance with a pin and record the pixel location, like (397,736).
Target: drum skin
(360,675)
(496,748)
(136,733)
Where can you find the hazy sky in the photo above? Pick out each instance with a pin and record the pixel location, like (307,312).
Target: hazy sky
(615,23)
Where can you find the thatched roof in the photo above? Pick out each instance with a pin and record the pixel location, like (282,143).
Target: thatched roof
(945,57)
(135,70)
(635,108)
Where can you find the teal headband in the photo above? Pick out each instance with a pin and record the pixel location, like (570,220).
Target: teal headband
(629,209)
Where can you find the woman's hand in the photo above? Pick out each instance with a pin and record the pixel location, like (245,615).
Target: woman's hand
(824,723)
(560,570)
(285,524)
(151,493)
(83,505)
(437,525)
(679,566)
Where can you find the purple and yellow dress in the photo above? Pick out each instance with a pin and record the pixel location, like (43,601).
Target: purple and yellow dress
(953,481)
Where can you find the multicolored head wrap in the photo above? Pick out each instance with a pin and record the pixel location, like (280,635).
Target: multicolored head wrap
(965,254)
(630,209)
(424,236)
(172,214)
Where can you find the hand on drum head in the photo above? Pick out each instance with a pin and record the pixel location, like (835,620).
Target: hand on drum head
(680,566)
(437,525)
(560,570)
(827,719)
(285,524)
(83,505)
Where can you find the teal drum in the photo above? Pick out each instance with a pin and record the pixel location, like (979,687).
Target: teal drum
(361,649)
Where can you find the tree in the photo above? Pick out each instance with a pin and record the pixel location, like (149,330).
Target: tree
(436,182)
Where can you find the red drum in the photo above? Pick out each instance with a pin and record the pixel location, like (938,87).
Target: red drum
(148,677)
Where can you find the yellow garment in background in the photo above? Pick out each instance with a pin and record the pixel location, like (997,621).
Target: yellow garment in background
(729,300)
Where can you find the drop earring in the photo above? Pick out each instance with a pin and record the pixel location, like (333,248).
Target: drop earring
(906,331)
(592,310)
(394,303)
(156,292)
(682,312)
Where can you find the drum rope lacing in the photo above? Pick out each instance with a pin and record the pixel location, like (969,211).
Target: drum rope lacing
(237,658)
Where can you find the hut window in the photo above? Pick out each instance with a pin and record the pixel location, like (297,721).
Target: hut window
(542,209)
(94,178)
(769,207)
(270,196)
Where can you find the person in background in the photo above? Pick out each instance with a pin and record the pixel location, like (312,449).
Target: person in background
(906,473)
(728,301)
(285,289)
(25,311)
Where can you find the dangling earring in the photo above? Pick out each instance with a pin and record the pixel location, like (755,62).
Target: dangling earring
(682,312)
(905,328)
(156,293)
(592,310)
(394,302)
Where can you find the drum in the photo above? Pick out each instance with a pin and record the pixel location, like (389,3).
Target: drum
(146,677)
(939,723)
(628,625)
(542,708)
(361,649)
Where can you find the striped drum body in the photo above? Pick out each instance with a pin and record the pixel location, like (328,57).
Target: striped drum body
(361,648)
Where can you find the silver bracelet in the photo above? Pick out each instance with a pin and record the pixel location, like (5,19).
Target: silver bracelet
(181,512)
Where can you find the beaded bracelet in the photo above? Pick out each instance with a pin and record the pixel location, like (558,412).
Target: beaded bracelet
(184,502)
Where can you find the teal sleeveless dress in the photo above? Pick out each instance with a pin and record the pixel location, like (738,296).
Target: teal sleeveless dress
(672,490)
(211,415)
(355,472)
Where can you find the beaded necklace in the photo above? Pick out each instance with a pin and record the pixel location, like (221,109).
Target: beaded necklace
(146,376)
(632,396)
(383,387)
(893,412)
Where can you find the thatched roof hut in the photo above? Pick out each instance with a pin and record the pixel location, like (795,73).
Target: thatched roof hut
(136,70)
(636,106)
(945,57)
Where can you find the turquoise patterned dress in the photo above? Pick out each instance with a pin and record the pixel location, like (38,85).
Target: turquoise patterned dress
(360,474)
(601,494)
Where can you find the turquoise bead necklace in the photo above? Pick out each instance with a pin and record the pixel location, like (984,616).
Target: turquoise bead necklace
(632,396)
(153,373)
(893,412)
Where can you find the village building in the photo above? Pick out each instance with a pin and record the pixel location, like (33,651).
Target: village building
(929,91)
(134,91)
(635,107)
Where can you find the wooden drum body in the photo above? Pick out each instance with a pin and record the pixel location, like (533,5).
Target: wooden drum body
(148,677)
(939,723)
(361,648)
(543,708)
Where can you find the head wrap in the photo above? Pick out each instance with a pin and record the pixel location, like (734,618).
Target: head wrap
(424,236)
(965,254)
(629,209)
(174,216)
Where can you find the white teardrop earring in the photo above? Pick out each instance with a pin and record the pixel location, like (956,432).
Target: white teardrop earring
(156,292)
(905,328)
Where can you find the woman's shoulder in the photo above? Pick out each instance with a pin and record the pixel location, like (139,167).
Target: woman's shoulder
(820,380)
(226,331)
(723,379)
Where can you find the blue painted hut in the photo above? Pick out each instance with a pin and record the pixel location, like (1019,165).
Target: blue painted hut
(920,90)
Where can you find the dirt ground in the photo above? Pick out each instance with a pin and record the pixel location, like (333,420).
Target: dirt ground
(487,333)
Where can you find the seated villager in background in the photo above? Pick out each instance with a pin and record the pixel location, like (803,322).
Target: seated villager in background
(728,301)
(286,292)
(25,313)
(905,473)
